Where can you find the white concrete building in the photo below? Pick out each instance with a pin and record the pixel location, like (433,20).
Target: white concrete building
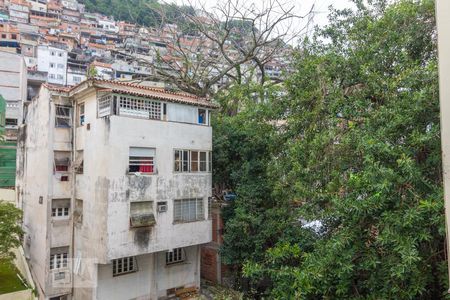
(115,190)
(108,25)
(53,60)
(13,87)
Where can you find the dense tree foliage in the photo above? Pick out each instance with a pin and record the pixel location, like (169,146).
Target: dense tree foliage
(343,199)
(142,12)
(10,230)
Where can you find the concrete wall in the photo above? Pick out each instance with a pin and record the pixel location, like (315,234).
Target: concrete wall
(47,55)
(153,278)
(13,87)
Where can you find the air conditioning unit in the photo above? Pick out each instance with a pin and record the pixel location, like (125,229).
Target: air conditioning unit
(162,207)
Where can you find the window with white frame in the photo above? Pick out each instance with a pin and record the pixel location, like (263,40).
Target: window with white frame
(52,65)
(60,208)
(124,265)
(177,255)
(60,77)
(141,160)
(192,161)
(60,66)
(104,105)
(139,107)
(188,210)
(59,258)
(62,116)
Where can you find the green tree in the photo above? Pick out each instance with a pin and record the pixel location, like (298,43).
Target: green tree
(10,230)
(359,155)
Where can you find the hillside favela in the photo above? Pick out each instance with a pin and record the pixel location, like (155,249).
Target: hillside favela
(226,149)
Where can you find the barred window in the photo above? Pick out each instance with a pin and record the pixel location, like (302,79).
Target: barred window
(141,160)
(58,258)
(124,265)
(177,255)
(139,107)
(188,210)
(104,105)
(192,161)
(62,116)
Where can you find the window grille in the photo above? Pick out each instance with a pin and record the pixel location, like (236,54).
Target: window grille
(188,210)
(177,255)
(124,265)
(192,161)
(104,105)
(141,160)
(139,107)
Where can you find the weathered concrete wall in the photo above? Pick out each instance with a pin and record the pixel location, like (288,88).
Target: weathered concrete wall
(37,187)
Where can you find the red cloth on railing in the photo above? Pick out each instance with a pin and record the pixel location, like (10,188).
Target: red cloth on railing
(146,169)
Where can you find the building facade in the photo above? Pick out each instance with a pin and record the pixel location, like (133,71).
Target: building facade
(13,88)
(53,61)
(115,190)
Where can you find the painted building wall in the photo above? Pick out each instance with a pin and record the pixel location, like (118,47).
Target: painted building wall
(54,61)
(106,189)
(13,88)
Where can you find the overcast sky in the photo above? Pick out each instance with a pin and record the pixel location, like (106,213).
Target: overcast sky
(301,6)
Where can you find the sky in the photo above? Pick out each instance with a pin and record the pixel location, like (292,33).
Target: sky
(301,7)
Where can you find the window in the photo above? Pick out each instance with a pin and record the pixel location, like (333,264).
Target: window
(104,106)
(52,65)
(59,76)
(141,214)
(14,36)
(60,54)
(177,255)
(124,265)
(76,79)
(141,160)
(62,118)
(62,161)
(192,161)
(60,208)
(58,258)
(60,66)
(80,114)
(188,210)
(52,53)
(182,160)
(201,116)
(3,36)
(139,107)
(10,122)
(51,76)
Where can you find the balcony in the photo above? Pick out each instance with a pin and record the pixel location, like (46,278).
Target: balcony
(37,76)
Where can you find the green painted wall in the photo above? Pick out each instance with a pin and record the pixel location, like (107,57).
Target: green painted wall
(7,164)
(7,153)
(2,115)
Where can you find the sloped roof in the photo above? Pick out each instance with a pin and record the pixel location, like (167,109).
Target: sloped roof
(121,87)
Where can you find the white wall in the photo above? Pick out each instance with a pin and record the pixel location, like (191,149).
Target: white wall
(54,61)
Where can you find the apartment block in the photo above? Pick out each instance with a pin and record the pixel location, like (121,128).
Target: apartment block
(115,184)
(53,61)
(13,88)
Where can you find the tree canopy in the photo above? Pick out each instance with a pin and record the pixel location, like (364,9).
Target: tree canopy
(10,230)
(338,173)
